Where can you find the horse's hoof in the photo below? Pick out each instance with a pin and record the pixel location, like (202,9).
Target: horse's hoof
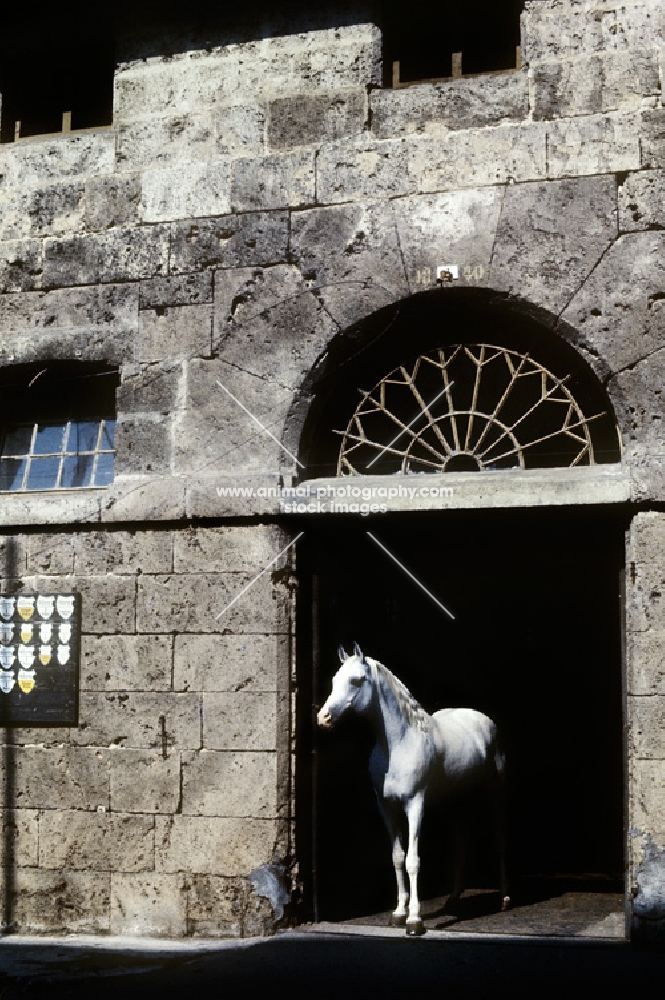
(397,919)
(505,903)
(415,928)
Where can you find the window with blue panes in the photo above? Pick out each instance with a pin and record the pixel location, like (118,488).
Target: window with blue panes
(66,445)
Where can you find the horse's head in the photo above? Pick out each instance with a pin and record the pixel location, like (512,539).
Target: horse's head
(351,688)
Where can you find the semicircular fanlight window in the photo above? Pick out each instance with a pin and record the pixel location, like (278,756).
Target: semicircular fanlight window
(469,407)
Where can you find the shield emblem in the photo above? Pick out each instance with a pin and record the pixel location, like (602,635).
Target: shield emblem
(65,633)
(65,605)
(26,633)
(45,632)
(45,606)
(7,682)
(63,652)
(44,654)
(6,657)
(7,607)
(25,607)
(26,656)
(26,680)
(6,633)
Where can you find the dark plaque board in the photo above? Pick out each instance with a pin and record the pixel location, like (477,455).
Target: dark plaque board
(39,659)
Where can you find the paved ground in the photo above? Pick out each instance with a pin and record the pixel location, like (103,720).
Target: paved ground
(320,965)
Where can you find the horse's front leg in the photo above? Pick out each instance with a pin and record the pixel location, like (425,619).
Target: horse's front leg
(398,916)
(414,815)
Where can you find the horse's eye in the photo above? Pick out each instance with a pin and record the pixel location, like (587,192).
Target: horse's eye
(356,681)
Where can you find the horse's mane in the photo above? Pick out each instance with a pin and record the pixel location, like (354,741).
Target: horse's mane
(411,709)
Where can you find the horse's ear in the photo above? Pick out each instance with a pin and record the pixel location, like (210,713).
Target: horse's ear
(357,651)
(343,655)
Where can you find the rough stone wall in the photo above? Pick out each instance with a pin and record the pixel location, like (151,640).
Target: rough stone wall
(131,824)
(250,204)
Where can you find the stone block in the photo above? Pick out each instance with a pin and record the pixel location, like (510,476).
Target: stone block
(91,841)
(49,210)
(216,434)
(149,905)
(351,257)
(183,138)
(50,554)
(647,798)
(116,255)
(19,843)
(236,493)
(329,59)
(143,498)
(646,662)
(124,552)
(470,102)
(20,265)
(553,28)
(126,662)
(646,727)
(652,138)
(271,182)
(144,781)
(639,405)
(593,144)
(475,157)
(112,201)
(216,907)
(52,902)
(175,331)
(186,190)
(550,237)
(60,778)
(304,119)
(32,163)
(95,323)
(255,238)
(228,662)
(239,130)
(143,443)
(178,290)
(362,167)
(149,388)
(191,602)
(203,845)
(276,328)
(459,226)
(642,201)
(617,310)
(227,550)
(592,84)
(240,720)
(133,719)
(229,784)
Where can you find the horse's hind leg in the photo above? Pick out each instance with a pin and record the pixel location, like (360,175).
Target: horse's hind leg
(499,811)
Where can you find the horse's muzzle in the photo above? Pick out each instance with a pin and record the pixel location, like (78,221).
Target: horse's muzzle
(325,719)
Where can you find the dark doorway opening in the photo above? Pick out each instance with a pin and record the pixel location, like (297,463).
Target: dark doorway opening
(536,645)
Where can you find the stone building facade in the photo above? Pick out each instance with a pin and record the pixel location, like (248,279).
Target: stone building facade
(257,215)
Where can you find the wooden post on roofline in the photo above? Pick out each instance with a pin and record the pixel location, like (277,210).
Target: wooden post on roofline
(457,64)
(396,74)
(66,121)
(17,130)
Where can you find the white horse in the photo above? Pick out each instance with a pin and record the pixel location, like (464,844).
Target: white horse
(453,750)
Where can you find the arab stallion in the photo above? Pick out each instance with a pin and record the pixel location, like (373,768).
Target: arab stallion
(453,750)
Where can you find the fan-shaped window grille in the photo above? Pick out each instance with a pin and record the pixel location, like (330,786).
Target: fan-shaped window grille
(471,407)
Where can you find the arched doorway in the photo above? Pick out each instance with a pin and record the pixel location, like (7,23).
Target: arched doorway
(535,590)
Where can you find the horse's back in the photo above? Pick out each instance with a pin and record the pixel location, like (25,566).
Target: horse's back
(466,741)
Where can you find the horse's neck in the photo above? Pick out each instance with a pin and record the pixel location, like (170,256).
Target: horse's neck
(390,719)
